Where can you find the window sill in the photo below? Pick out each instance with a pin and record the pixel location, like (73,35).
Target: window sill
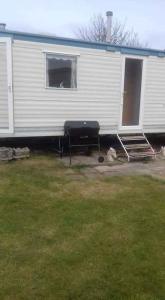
(59,89)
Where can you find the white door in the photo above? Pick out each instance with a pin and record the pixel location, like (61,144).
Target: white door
(6,93)
(131,116)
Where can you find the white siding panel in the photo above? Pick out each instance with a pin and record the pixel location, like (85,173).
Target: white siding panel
(97,96)
(3,87)
(154,96)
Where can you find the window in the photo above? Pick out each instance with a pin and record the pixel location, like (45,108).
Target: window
(61,71)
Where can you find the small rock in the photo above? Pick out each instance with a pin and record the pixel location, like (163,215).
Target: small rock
(6,153)
(111,154)
(163,151)
(21,152)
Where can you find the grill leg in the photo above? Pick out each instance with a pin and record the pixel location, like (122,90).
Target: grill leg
(70,152)
(98,140)
(60,143)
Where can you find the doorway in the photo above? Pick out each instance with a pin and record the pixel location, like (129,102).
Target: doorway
(132,92)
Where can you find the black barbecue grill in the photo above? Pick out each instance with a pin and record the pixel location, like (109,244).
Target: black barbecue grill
(82,134)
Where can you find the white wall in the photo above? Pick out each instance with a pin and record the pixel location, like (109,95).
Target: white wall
(154,95)
(43,111)
(3,88)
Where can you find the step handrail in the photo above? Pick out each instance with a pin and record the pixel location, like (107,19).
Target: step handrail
(125,146)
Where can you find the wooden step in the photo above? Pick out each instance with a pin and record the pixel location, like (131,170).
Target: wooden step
(133,138)
(137,146)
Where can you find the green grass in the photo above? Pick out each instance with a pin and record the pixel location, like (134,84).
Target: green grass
(96,239)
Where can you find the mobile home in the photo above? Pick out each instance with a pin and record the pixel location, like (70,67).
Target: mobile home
(46,80)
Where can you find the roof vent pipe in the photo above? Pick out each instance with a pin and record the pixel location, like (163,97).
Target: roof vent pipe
(109,15)
(2,26)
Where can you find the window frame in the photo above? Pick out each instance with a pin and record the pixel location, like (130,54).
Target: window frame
(72,55)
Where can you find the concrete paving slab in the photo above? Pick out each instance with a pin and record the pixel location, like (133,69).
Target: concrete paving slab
(103,169)
(90,168)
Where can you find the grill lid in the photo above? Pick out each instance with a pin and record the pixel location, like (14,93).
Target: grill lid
(81,128)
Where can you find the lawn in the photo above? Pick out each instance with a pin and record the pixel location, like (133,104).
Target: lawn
(87,239)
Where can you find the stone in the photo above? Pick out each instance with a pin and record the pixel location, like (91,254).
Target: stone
(6,153)
(21,153)
(111,154)
(163,151)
